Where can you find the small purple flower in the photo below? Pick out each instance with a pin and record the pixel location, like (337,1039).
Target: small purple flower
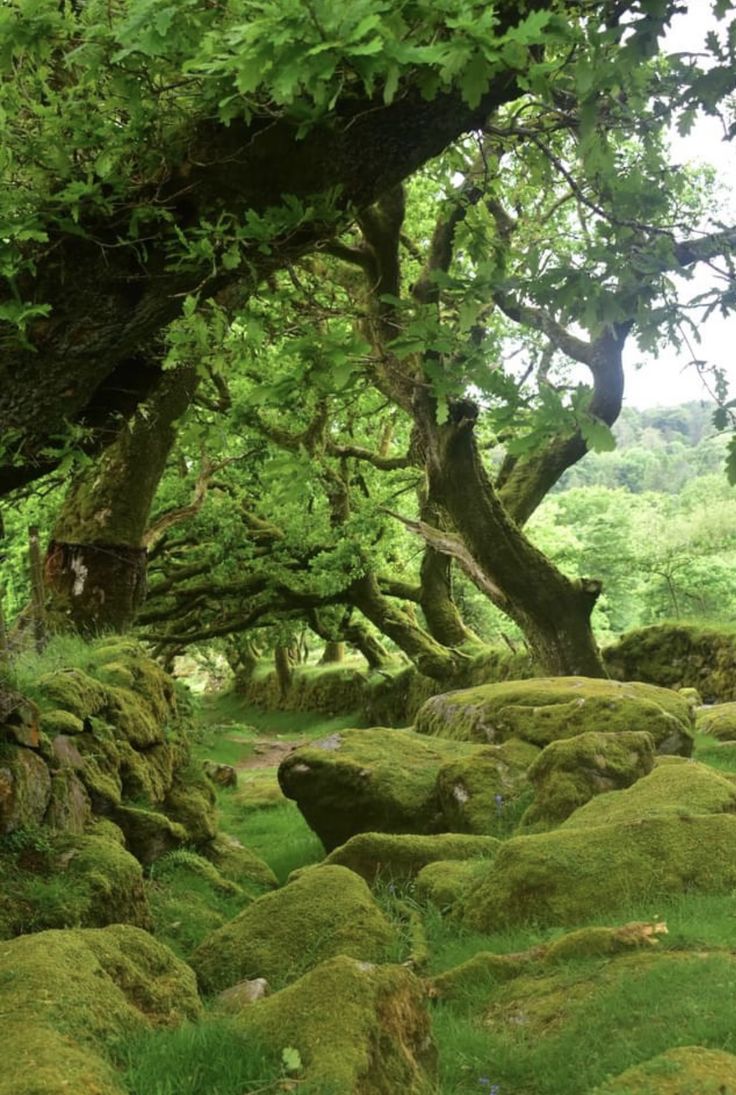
(499,803)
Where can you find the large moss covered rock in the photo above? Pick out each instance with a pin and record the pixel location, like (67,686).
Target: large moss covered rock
(68,994)
(149,834)
(680,789)
(374,780)
(543,710)
(477,793)
(572,874)
(25,788)
(685,1070)
(239,863)
(446,881)
(678,656)
(190,801)
(570,772)
(718,721)
(327,911)
(73,690)
(403,856)
(359,1029)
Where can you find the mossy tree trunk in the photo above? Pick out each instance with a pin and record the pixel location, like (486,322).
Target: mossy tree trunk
(95,570)
(552,611)
(284,669)
(333,654)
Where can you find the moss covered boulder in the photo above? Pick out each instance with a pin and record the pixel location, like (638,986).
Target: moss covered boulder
(681,789)
(149,834)
(327,911)
(572,874)
(25,788)
(679,656)
(446,881)
(478,793)
(544,710)
(239,863)
(403,856)
(685,1070)
(374,780)
(570,772)
(73,690)
(718,721)
(358,1028)
(68,994)
(191,802)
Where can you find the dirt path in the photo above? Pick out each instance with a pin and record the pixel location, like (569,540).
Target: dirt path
(267,753)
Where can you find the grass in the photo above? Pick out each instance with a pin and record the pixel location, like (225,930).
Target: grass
(212,1057)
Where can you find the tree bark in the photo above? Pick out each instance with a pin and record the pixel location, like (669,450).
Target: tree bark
(552,611)
(95,568)
(333,654)
(284,669)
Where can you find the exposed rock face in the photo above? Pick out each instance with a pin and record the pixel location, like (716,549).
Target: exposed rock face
(68,994)
(327,911)
(544,710)
(390,856)
(572,874)
(569,772)
(358,1029)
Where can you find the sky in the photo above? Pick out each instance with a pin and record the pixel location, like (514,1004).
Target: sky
(669,380)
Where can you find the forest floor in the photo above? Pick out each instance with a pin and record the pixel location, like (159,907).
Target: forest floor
(555,1032)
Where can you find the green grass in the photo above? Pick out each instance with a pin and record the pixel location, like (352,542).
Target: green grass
(708,750)
(212,1057)
(279,834)
(228,711)
(21,673)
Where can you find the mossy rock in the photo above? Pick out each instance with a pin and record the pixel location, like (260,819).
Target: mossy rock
(570,772)
(546,709)
(148,833)
(111,878)
(678,656)
(69,809)
(572,874)
(132,717)
(57,721)
(145,776)
(117,673)
(477,793)
(358,1028)
(73,690)
(239,864)
(718,721)
(327,911)
(68,994)
(403,856)
(126,659)
(601,942)
(191,802)
(258,789)
(374,780)
(484,970)
(25,788)
(445,882)
(681,789)
(100,772)
(685,1070)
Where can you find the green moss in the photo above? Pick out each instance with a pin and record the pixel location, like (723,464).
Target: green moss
(73,690)
(112,879)
(358,1028)
(38,1060)
(25,788)
(57,721)
(685,1070)
(132,717)
(239,864)
(471,978)
(679,656)
(327,911)
(478,792)
(446,881)
(394,856)
(572,874)
(542,710)
(681,789)
(375,780)
(718,721)
(191,803)
(116,673)
(101,770)
(145,776)
(570,772)
(148,833)
(600,942)
(258,789)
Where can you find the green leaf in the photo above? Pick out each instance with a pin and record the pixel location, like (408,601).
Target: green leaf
(474,80)
(597,434)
